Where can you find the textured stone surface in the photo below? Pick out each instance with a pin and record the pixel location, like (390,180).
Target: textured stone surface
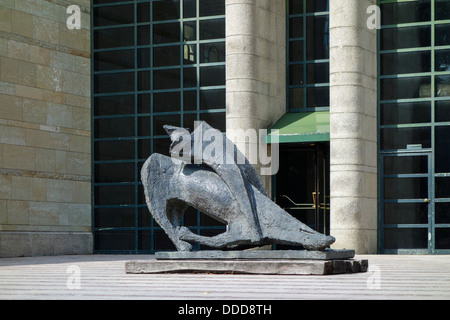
(228,192)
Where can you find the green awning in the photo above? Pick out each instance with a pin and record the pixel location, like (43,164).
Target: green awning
(301,127)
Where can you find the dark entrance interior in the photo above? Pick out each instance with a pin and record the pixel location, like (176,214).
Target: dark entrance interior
(302,185)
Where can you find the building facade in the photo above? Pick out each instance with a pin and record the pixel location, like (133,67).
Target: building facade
(355,92)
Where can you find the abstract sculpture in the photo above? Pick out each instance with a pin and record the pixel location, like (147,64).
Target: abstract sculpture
(223,185)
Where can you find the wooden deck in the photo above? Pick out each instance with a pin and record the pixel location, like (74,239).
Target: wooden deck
(104,277)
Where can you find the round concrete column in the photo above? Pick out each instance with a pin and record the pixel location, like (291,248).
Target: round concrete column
(353,112)
(256,66)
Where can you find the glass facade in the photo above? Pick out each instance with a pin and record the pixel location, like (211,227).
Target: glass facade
(154,63)
(308,55)
(414,134)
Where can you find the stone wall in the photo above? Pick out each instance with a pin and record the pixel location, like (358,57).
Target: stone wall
(45,171)
(256,66)
(353,121)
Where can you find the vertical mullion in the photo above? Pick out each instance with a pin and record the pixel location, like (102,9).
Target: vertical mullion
(152,222)
(433,121)
(305,52)
(136,134)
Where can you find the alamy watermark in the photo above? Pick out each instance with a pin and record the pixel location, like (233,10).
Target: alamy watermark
(74,280)
(74,20)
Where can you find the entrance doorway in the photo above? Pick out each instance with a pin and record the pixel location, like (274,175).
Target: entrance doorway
(302,185)
(413,217)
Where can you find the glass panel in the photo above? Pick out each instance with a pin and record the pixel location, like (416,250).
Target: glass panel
(143,126)
(442,187)
(143,58)
(442,214)
(212,76)
(114,60)
(114,195)
(442,60)
(406,37)
(189,8)
(405,213)
(295,6)
(443,86)
(113,128)
(115,105)
(296,27)
(402,113)
(114,38)
(114,240)
(114,172)
(144,146)
(400,138)
(114,217)
(144,218)
(295,51)
(167,101)
(143,12)
(318,97)
(405,188)
(316,5)
(166,33)
(407,62)
(190,78)
(406,238)
(166,79)
(296,98)
(212,52)
(318,38)
(162,241)
(406,88)
(143,105)
(405,165)
(166,10)
(143,35)
(443,149)
(190,100)
(189,121)
(442,34)
(114,150)
(296,74)
(161,146)
(318,73)
(190,31)
(160,121)
(143,80)
(216,120)
(114,82)
(144,240)
(406,12)
(166,56)
(113,15)
(442,9)
(442,111)
(212,29)
(212,99)
(211,7)
(189,54)
(442,238)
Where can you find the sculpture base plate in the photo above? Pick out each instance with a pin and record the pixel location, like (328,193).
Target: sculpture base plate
(327,254)
(251,262)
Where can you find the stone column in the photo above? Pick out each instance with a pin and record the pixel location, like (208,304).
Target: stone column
(256,66)
(353,108)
